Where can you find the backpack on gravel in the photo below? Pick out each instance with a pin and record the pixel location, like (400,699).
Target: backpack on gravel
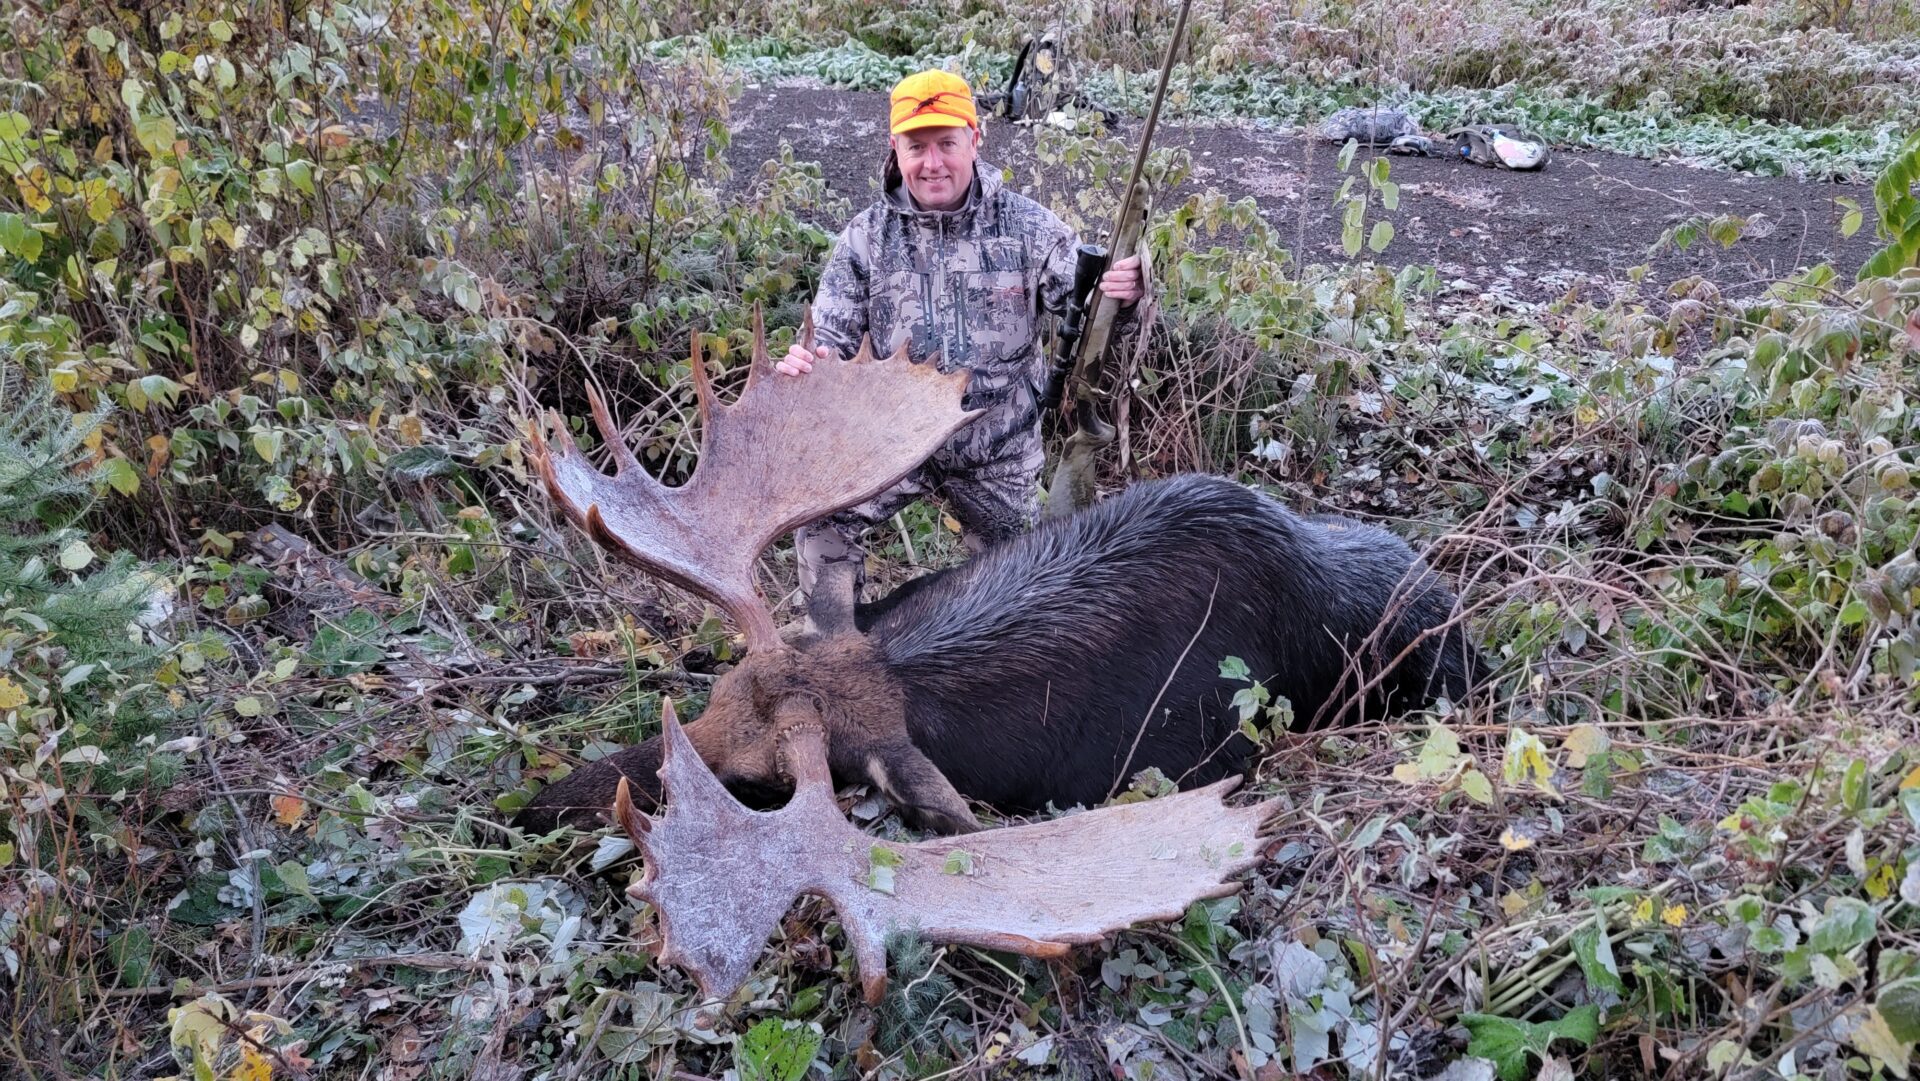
(1369,126)
(1501,145)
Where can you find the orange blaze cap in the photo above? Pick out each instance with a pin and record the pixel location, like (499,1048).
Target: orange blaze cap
(932,99)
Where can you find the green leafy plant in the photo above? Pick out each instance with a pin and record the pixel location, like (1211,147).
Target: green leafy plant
(1899,221)
(1510,1043)
(776,1050)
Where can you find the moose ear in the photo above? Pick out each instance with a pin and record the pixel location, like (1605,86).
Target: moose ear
(830,602)
(924,795)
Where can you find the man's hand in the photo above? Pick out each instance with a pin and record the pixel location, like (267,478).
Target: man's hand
(1123,281)
(798,361)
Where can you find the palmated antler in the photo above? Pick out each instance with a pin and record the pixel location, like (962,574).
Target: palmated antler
(721,875)
(786,452)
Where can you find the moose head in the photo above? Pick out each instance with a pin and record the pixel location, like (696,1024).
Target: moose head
(786,452)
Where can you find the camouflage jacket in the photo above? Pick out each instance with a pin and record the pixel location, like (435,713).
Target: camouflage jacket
(965,287)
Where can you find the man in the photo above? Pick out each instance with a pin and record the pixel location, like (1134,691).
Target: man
(957,268)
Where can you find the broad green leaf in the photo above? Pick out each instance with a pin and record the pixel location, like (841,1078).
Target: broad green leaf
(1847,923)
(19,237)
(1235,669)
(267,444)
(156,134)
(221,30)
(131,952)
(959,862)
(1439,755)
(1381,236)
(1477,787)
(100,38)
(121,474)
(1853,786)
(1851,221)
(14,127)
(1347,152)
(1594,950)
(300,174)
(1390,195)
(1508,1042)
(1899,1003)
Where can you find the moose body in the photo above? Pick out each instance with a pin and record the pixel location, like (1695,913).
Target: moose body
(1052,668)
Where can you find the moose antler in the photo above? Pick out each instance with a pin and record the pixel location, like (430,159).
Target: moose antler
(786,452)
(721,875)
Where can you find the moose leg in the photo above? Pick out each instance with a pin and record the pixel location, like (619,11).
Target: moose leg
(927,800)
(583,799)
(580,798)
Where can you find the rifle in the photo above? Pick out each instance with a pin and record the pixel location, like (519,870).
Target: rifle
(1083,349)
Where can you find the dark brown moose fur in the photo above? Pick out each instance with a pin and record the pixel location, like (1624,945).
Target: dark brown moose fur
(1051,669)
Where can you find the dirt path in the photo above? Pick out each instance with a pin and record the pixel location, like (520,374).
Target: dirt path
(1533,236)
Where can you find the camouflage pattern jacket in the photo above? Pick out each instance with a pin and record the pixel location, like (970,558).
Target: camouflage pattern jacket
(965,287)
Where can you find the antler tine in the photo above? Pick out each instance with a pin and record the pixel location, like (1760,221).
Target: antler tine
(760,360)
(806,328)
(636,824)
(610,433)
(702,387)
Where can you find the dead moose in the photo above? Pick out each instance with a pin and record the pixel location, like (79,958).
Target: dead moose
(1048,670)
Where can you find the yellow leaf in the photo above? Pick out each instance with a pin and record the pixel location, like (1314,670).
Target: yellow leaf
(1875,1037)
(1673,915)
(953,526)
(1527,760)
(65,380)
(289,810)
(1515,840)
(1643,911)
(200,1024)
(1585,414)
(253,1065)
(412,432)
(11,695)
(1407,773)
(1583,743)
(33,187)
(101,200)
(1513,904)
(1911,780)
(1880,883)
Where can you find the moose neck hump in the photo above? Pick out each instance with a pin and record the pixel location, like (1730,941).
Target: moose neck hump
(1072,587)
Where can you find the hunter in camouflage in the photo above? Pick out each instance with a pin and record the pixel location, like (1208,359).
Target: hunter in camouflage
(958,269)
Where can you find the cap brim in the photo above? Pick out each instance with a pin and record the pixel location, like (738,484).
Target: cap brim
(929,120)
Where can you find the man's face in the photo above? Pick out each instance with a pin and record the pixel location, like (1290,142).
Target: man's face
(938,164)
